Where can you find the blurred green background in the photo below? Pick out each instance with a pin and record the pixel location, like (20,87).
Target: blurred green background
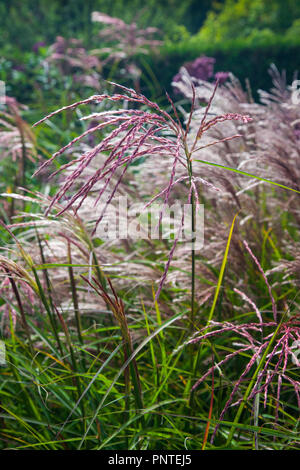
(244,36)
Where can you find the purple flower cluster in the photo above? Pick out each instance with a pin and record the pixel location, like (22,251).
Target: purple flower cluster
(202,68)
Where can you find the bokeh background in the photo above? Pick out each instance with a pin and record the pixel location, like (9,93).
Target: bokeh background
(244,36)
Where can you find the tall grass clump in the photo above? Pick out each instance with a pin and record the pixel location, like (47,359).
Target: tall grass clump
(140,343)
(136,134)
